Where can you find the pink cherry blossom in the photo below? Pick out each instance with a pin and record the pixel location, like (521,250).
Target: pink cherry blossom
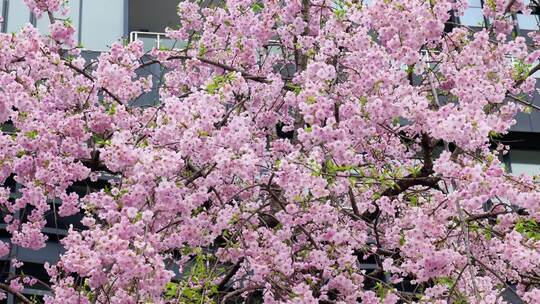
(299,152)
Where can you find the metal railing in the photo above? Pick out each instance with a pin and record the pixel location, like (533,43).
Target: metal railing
(154,39)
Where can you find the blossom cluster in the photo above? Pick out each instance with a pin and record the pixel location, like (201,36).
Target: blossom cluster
(292,143)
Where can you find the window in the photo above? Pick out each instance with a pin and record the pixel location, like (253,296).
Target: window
(102,23)
(149,19)
(537,73)
(473,15)
(528,22)
(152,16)
(18,15)
(74,16)
(525,162)
(37,271)
(3,4)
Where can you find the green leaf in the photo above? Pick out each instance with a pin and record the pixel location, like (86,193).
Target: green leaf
(521,70)
(297,89)
(402,239)
(414,200)
(340,13)
(363,101)
(112,109)
(415,171)
(340,10)
(171,290)
(447,281)
(494,135)
(491,4)
(381,290)
(32,134)
(203,133)
(100,141)
(528,228)
(488,234)
(257,7)
(202,50)
(218,82)
(83,89)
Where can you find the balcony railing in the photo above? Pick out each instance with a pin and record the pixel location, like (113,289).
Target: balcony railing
(157,40)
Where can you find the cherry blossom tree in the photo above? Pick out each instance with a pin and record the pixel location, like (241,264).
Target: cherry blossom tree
(292,142)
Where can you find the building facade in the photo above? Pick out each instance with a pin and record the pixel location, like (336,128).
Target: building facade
(99,23)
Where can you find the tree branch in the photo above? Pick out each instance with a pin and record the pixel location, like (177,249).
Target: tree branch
(230,274)
(498,277)
(17,294)
(225,67)
(238,292)
(523,102)
(90,77)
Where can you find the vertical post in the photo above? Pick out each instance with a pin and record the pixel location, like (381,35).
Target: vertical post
(13,254)
(33,19)
(5,9)
(79,33)
(14,249)
(126,18)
